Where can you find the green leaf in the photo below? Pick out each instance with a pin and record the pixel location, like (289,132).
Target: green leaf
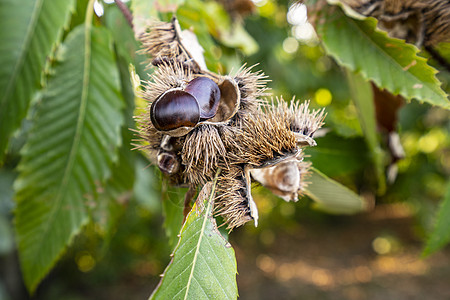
(126,44)
(147,186)
(362,96)
(336,155)
(173,204)
(7,177)
(29,31)
(441,233)
(69,153)
(332,196)
(119,187)
(229,33)
(203,264)
(390,63)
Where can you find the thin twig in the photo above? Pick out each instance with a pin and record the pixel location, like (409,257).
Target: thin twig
(125,11)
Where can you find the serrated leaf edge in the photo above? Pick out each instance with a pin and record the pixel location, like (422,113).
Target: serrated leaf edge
(373,23)
(196,209)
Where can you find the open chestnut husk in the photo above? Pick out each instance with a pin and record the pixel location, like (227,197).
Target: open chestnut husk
(198,122)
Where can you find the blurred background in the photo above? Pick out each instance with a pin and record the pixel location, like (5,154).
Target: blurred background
(297,251)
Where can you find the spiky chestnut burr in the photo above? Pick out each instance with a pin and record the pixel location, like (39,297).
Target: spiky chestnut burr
(166,42)
(245,134)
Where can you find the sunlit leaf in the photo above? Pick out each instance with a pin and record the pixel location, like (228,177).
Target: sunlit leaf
(29,31)
(71,148)
(332,196)
(441,233)
(391,63)
(203,264)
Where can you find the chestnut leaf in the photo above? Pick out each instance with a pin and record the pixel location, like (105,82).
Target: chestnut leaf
(390,63)
(440,236)
(203,265)
(70,150)
(333,197)
(30,30)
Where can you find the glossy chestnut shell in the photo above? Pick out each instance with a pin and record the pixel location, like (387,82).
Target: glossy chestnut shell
(174,109)
(199,101)
(207,94)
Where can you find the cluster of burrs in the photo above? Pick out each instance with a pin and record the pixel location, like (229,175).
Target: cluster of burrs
(422,22)
(198,122)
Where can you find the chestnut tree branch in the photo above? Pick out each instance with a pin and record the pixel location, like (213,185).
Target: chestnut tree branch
(125,11)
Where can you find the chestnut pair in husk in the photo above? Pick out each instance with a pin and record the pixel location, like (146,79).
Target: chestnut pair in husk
(185,108)
(198,122)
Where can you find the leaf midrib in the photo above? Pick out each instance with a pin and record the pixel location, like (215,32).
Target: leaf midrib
(197,248)
(202,233)
(27,40)
(80,122)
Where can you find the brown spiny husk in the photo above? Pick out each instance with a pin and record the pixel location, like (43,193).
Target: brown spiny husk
(263,138)
(270,133)
(166,77)
(203,151)
(231,201)
(437,22)
(301,119)
(252,86)
(162,41)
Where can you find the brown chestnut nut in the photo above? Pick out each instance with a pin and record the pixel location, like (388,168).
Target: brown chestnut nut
(207,93)
(168,162)
(174,109)
(177,108)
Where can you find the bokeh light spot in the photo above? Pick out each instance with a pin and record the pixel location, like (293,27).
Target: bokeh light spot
(381,245)
(431,141)
(85,261)
(323,97)
(297,14)
(290,45)
(265,263)
(304,33)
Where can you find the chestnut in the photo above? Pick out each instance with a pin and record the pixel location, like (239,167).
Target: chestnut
(207,94)
(174,109)
(185,108)
(168,162)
